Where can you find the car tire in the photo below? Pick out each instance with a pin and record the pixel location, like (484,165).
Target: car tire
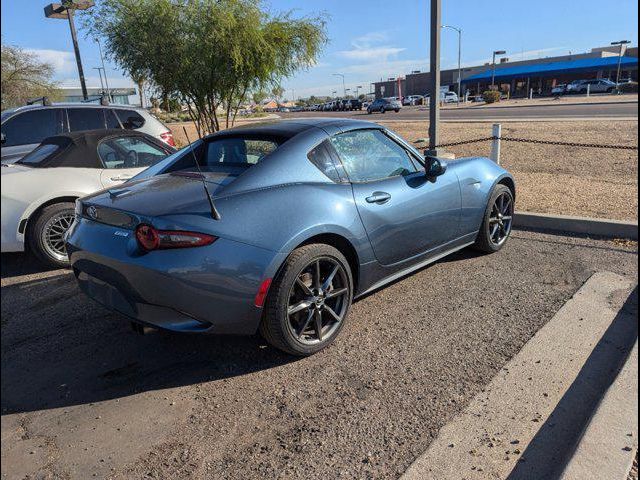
(487,241)
(382,110)
(45,233)
(397,110)
(293,288)
(368,111)
(610,90)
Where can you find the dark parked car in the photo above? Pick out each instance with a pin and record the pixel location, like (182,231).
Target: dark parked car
(352,104)
(384,105)
(298,218)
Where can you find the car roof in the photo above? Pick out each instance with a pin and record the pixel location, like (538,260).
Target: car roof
(25,108)
(291,128)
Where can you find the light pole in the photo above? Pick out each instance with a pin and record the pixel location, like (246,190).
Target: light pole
(434,80)
(100,73)
(358,90)
(459,30)
(65,10)
(493,66)
(106,82)
(344,90)
(621,43)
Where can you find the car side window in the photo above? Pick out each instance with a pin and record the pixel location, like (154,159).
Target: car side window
(369,155)
(129,152)
(130,119)
(111,119)
(85,119)
(32,126)
(321,158)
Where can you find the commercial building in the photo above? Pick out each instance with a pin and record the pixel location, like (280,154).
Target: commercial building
(517,77)
(118,95)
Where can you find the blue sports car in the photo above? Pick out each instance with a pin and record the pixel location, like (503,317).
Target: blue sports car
(277,227)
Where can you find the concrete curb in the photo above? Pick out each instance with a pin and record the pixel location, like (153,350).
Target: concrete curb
(483,107)
(608,446)
(577,225)
(528,422)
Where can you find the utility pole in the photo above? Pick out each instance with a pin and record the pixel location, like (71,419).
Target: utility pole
(65,10)
(493,66)
(106,82)
(621,43)
(434,80)
(344,90)
(459,30)
(101,83)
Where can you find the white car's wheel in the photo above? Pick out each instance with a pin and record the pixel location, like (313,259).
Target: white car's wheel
(46,233)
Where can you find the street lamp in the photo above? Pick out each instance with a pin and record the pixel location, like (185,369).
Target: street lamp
(344,90)
(493,66)
(358,89)
(621,43)
(459,30)
(100,73)
(65,10)
(106,82)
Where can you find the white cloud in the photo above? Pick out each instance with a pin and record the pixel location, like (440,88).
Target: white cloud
(372,46)
(516,56)
(63,62)
(94,82)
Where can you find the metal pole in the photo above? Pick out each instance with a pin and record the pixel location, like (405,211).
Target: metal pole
(76,49)
(100,73)
(588,90)
(459,64)
(434,80)
(495,144)
(106,82)
(619,64)
(493,70)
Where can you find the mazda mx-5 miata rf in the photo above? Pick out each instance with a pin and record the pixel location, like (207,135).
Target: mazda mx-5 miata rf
(277,227)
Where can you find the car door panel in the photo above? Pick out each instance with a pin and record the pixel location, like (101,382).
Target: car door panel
(406,216)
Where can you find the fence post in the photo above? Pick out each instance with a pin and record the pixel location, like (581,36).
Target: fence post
(588,89)
(495,144)
(531,94)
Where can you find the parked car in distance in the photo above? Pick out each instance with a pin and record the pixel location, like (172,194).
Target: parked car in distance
(449,97)
(362,208)
(384,105)
(351,104)
(23,128)
(39,190)
(593,86)
(560,89)
(412,100)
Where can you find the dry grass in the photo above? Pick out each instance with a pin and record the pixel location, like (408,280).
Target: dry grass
(551,179)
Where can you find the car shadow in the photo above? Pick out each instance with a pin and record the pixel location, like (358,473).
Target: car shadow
(17,264)
(61,349)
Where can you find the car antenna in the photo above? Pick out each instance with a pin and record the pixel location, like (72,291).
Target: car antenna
(214,212)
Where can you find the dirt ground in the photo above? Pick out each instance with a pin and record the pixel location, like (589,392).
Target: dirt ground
(563,100)
(586,182)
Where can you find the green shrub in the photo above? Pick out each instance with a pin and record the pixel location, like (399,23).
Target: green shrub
(631,87)
(491,96)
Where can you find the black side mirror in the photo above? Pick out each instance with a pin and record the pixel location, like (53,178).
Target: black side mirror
(435,167)
(3,138)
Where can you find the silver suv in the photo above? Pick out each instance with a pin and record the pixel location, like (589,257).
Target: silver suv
(593,86)
(23,128)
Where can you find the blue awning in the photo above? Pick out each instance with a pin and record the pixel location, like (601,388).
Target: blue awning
(553,68)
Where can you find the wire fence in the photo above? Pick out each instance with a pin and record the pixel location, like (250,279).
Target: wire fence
(540,142)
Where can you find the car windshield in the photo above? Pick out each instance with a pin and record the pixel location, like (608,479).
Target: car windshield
(36,156)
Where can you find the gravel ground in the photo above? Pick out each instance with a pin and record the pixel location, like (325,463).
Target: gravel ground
(83,396)
(551,179)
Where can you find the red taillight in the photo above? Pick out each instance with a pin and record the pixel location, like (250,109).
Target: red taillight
(151,239)
(261,296)
(167,137)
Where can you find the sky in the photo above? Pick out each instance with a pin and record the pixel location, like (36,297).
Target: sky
(371,40)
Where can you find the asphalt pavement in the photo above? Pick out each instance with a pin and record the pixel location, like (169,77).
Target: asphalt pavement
(470,113)
(83,396)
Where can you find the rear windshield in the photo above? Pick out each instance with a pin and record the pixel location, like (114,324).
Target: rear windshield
(42,152)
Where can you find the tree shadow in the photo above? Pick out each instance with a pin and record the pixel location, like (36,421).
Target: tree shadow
(60,349)
(554,444)
(16,264)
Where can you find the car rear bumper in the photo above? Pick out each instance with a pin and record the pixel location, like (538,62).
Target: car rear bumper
(208,289)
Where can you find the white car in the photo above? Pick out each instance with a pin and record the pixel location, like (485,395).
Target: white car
(412,100)
(39,190)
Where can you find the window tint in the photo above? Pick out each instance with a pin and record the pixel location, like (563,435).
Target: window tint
(370,155)
(321,158)
(238,151)
(39,154)
(111,119)
(32,127)
(85,119)
(130,119)
(129,152)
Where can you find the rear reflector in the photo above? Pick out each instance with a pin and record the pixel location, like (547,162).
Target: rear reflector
(167,137)
(151,239)
(261,296)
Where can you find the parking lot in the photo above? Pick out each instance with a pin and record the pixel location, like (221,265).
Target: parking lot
(84,396)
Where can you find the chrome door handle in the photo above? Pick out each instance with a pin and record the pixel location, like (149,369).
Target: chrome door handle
(378,197)
(122,178)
